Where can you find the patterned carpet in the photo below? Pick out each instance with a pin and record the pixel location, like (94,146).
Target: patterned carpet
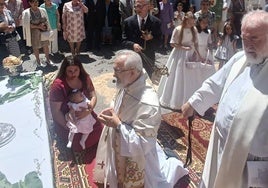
(74,169)
(174,134)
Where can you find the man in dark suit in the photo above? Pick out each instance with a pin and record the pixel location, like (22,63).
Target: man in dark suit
(95,20)
(142,34)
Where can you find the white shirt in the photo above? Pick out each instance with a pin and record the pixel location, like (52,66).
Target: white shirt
(140,19)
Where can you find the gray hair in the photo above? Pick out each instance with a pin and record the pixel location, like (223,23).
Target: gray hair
(133,59)
(256,18)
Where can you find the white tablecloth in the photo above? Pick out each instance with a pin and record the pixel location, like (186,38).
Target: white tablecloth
(29,150)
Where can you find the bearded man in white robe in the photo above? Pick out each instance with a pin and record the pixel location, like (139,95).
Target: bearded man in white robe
(128,154)
(237,155)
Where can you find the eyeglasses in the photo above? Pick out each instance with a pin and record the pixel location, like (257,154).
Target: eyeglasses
(205,4)
(123,70)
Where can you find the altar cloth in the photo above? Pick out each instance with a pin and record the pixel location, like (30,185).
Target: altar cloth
(25,154)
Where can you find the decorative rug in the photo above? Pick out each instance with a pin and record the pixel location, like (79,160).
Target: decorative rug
(73,169)
(173,134)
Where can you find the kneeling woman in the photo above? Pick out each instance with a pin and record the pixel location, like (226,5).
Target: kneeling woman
(72,75)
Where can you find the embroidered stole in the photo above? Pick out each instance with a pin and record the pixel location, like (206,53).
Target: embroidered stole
(105,148)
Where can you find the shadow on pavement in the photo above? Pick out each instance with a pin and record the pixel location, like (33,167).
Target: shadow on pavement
(84,58)
(57,57)
(47,69)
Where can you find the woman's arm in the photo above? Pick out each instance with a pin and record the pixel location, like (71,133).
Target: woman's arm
(41,26)
(93,100)
(63,18)
(57,114)
(197,52)
(178,46)
(90,93)
(234,46)
(64,21)
(84,7)
(58,20)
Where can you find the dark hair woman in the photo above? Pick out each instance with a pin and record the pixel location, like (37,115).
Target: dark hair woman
(72,75)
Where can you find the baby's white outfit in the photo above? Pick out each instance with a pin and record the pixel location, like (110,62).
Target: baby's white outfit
(84,125)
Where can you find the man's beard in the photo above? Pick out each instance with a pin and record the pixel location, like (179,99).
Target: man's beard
(119,84)
(255,57)
(254,60)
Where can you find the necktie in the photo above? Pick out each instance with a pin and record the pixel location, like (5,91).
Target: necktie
(142,24)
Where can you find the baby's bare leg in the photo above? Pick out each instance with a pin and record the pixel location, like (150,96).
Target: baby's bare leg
(83,140)
(70,138)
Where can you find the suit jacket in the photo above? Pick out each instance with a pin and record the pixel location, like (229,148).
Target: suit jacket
(113,15)
(132,34)
(96,13)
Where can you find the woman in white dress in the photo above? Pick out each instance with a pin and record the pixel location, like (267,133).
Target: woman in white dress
(227,41)
(205,50)
(176,89)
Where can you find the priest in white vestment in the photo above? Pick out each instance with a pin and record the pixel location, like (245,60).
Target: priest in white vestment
(128,154)
(237,155)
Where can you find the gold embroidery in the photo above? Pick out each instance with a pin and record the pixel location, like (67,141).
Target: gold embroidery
(133,172)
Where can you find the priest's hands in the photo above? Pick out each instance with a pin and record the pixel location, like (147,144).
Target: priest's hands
(146,35)
(137,48)
(187,110)
(109,118)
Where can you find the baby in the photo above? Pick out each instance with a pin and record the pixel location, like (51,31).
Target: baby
(78,100)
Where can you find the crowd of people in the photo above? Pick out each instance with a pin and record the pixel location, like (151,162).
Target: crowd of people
(102,21)
(128,154)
